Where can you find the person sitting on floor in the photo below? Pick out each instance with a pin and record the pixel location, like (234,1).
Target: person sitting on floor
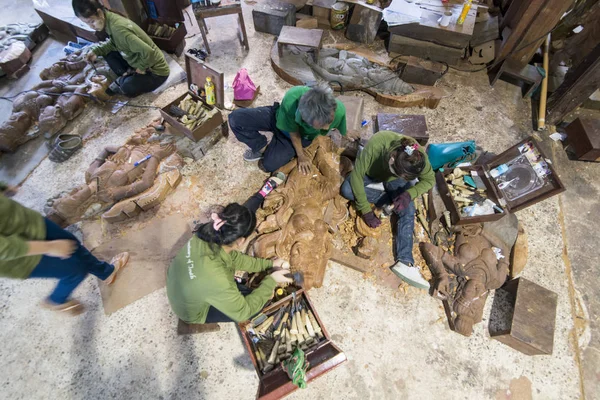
(383,175)
(200,280)
(304,114)
(130,53)
(32,246)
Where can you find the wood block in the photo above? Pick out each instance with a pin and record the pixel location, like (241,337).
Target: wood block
(306,21)
(428,50)
(364,23)
(183,328)
(422,72)
(355,107)
(272,15)
(531,326)
(485,31)
(414,126)
(584,138)
(428,29)
(300,37)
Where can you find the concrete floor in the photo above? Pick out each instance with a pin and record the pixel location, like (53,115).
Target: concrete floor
(398,345)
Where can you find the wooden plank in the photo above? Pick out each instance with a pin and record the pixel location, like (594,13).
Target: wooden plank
(485,31)
(350,260)
(306,21)
(429,29)
(578,86)
(427,50)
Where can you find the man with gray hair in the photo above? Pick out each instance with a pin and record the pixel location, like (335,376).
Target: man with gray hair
(304,114)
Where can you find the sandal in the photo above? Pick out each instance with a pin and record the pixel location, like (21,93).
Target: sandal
(64,147)
(119,262)
(71,307)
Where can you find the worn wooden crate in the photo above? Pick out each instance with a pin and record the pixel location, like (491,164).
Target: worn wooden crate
(196,74)
(166,12)
(551,187)
(276,384)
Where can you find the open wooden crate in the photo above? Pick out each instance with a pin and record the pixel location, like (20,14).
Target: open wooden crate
(322,358)
(166,12)
(196,70)
(551,186)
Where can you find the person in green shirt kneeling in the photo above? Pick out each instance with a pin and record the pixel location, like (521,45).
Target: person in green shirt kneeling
(384,175)
(139,64)
(304,114)
(200,281)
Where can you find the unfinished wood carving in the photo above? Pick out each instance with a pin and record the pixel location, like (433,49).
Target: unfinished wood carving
(59,98)
(292,224)
(477,267)
(114,178)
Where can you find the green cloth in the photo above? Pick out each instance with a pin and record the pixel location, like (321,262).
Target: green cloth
(133,43)
(18,225)
(289,120)
(373,162)
(200,277)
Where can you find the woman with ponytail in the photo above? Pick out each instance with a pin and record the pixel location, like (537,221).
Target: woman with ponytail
(200,281)
(383,175)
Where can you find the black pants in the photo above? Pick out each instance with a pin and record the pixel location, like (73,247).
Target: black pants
(246,124)
(215,315)
(135,84)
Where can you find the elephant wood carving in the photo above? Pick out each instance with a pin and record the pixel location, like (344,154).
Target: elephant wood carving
(480,264)
(291,222)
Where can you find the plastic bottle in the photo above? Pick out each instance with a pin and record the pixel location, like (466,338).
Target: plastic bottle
(209,88)
(465,11)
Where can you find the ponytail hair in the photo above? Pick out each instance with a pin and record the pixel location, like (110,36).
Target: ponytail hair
(408,161)
(236,221)
(86,8)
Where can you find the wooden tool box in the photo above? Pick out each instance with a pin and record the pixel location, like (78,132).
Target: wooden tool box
(197,71)
(551,186)
(169,13)
(322,358)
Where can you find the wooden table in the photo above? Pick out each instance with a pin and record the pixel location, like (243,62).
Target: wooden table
(290,35)
(225,7)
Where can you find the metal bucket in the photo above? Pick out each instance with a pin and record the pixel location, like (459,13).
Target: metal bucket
(338,16)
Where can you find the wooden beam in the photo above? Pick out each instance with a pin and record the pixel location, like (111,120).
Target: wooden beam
(577,87)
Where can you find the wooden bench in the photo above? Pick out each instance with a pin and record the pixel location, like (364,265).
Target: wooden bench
(292,36)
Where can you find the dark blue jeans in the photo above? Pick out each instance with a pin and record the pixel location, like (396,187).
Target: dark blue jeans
(135,84)
(406,219)
(214,315)
(72,271)
(246,124)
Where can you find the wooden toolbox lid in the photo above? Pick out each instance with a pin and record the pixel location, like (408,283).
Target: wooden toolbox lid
(164,10)
(197,72)
(322,358)
(528,186)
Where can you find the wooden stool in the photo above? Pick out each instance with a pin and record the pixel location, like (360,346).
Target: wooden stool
(290,35)
(183,328)
(530,329)
(414,126)
(527,77)
(226,7)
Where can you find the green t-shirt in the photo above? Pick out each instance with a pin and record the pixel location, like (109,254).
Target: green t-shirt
(289,119)
(134,44)
(200,277)
(373,162)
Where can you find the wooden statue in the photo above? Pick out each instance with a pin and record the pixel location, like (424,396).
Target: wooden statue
(292,224)
(480,264)
(122,179)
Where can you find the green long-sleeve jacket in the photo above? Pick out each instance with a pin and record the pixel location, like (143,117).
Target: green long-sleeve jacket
(373,162)
(199,278)
(18,225)
(133,43)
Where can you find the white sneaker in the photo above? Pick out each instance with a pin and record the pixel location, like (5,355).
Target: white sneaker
(410,274)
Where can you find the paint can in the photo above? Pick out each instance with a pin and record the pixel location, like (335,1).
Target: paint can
(338,16)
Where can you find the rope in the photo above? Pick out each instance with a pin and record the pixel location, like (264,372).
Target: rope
(296,367)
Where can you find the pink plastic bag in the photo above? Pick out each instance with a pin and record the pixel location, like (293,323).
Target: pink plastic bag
(243,87)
